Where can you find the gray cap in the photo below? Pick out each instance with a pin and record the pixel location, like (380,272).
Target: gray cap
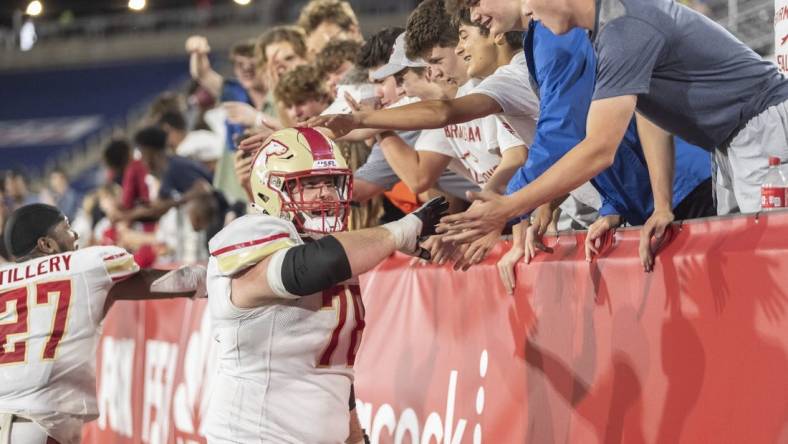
(398,61)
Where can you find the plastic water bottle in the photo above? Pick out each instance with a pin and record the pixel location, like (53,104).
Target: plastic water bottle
(773,189)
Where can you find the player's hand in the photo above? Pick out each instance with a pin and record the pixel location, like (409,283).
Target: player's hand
(477,251)
(339,124)
(655,228)
(430,214)
(533,243)
(197,44)
(488,214)
(241,113)
(424,220)
(506,267)
(185,279)
(596,233)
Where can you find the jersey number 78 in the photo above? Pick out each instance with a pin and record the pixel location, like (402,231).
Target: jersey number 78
(346,301)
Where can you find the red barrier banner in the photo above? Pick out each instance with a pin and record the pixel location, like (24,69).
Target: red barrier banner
(599,352)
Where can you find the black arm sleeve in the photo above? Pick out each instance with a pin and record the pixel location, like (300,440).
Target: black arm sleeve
(316,266)
(352,400)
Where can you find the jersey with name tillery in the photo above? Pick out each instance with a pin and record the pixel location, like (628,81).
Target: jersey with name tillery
(51,309)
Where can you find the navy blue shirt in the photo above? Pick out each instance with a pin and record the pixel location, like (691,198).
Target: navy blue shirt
(180,175)
(563,72)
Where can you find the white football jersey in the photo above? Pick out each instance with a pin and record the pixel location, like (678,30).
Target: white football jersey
(285,368)
(51,309)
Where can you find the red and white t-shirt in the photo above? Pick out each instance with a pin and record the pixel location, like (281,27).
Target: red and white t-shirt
(476,145)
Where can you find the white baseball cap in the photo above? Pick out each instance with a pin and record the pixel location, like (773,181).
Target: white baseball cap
(398,61)
(201,145)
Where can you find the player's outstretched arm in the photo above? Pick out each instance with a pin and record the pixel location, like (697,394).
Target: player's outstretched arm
(185,282)
(151,283)
(316,266)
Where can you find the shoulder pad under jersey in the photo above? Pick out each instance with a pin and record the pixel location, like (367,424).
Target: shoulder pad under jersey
(250,239)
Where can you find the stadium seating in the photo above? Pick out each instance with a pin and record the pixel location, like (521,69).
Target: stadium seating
(46,115)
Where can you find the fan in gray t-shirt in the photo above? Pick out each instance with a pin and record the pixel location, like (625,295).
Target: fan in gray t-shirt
(692,77)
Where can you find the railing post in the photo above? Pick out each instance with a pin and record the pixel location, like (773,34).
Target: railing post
(733,15)
(781,35)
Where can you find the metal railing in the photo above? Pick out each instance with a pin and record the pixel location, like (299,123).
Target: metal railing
(752,21)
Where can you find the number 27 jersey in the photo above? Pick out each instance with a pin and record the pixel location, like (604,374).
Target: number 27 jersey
(51,309)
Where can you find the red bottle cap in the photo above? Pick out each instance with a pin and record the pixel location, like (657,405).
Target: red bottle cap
(774,161)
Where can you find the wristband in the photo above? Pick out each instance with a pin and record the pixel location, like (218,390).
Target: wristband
(405,232)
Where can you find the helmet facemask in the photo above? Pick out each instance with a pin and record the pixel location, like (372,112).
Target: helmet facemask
(315,215)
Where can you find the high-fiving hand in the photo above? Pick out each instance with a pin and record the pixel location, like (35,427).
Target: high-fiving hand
(339,124)
(489,213)
(429,214)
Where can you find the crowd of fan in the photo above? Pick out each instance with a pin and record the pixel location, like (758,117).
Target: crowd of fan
(178,179)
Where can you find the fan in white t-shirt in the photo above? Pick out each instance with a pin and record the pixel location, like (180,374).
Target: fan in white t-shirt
(478,145)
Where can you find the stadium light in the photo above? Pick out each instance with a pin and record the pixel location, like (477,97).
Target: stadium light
(34,8)
(242,2)
(137,5)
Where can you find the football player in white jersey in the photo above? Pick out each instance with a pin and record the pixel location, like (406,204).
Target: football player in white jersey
(287,320)
(52,303)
